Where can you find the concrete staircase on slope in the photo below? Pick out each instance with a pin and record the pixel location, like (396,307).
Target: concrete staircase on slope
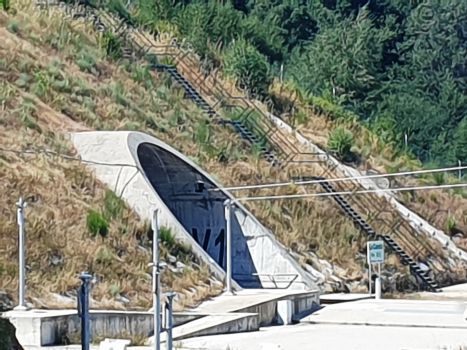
(253,124)
(370,232)
(198,99)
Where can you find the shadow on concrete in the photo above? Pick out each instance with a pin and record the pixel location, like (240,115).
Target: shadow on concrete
(8,339)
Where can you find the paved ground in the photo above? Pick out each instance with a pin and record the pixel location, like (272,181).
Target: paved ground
(394,312)
(334,337)
(458,292)
(364,325)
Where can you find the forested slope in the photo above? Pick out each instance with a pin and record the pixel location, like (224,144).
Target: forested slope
(379,83)
(398,65)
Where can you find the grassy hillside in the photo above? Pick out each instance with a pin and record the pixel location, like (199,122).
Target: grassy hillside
(398,66)
(60,76)
(57,77)
(382,92)
(39,84)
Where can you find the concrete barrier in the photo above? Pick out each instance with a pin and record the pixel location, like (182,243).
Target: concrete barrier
(50,327)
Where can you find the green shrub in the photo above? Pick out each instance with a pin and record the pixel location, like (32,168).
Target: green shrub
(251,69)
(166,236)
(105,256)
(340,143)
(6,333)
(112,45)
(439,178)
(114,289)
(86,61)
(97,224)
(113,205)
(13,27)
(451,223)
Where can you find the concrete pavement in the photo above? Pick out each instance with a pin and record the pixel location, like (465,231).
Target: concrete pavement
(394,312)
(334,337)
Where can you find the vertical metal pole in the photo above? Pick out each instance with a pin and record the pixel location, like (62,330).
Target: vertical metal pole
(369,276)
(156,282)
(460,170)
(282,73)
(379,270)
(84,310)
(169,320)
(406,141)
(228,219)
(21,205)
(378,288)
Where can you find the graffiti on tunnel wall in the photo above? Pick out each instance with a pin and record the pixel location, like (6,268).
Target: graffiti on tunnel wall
(218,242)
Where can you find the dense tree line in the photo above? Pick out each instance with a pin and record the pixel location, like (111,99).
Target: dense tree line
(400,65)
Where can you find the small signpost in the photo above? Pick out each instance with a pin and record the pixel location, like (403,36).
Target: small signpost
(375,253)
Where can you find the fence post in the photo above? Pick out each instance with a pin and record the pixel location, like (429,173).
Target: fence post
(21,205)
(169,319)
(156,282)
(83,310)
(228,219)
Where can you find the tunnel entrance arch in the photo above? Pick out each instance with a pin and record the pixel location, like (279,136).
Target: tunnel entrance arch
(186,192)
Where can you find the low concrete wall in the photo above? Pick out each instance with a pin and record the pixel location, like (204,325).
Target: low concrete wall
(304,306)
(247,323)
(269,314)
(45,328)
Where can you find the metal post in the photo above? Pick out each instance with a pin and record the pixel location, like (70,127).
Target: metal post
(369,276)
(228,219)
(406,141)
(169,319)
(83,310)
(156,282)
(378,288)
(21,205)
(282,74)
(460,170)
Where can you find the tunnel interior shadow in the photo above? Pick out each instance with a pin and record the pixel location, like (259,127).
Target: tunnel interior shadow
(186,192)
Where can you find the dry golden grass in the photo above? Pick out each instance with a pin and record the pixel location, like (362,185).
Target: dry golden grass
(113,99)
(58,77)
(59,245)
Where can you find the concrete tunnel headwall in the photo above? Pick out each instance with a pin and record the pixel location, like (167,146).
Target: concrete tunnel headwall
(149,174)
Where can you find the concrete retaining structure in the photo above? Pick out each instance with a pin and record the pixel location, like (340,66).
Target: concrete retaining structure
(37,328)
(150,175)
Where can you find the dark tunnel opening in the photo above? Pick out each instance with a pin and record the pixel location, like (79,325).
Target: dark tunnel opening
(186,192)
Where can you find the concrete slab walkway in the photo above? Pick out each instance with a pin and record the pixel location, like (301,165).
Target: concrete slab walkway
(334,337)
(247,298)
(408,313)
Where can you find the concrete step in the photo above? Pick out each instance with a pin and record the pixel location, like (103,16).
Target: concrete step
(273,306)
(214,324)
